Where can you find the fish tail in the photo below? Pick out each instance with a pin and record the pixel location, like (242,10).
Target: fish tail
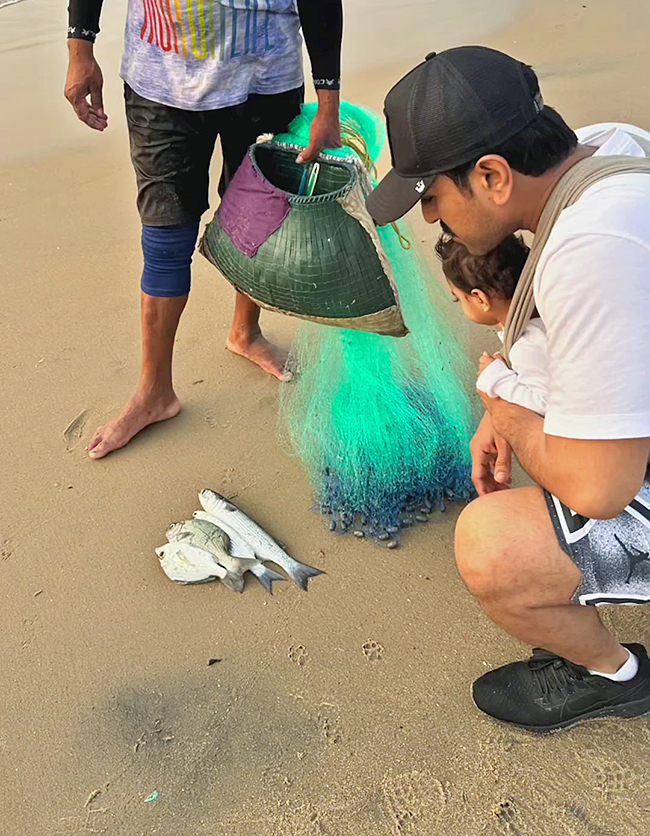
(302,574)
(233,582)
(266,577)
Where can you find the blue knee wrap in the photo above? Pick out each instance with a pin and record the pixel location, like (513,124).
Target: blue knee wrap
(167,254)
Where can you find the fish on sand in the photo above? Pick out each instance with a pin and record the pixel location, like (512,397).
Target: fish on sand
(209,537)
(185,563)
(226,515)
(240,548)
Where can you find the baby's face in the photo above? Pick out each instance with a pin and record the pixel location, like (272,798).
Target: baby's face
(475,305)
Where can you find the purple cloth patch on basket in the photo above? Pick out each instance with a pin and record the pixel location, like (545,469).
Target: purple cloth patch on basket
(252,209)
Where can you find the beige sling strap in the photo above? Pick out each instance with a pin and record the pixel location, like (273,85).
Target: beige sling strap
(566,192)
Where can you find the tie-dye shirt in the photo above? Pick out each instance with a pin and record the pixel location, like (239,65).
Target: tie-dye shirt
(209,54)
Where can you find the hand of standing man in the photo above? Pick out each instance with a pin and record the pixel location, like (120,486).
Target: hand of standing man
(83,86)
(322,26)
(84,83)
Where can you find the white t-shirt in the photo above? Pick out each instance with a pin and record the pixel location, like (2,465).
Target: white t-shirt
(526,383)
(592,291)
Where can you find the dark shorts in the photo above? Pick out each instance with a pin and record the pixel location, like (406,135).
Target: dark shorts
(171,149)
(613,555)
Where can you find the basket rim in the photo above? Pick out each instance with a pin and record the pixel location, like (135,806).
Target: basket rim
(321,158)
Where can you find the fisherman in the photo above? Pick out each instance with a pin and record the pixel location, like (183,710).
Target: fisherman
(192,72)
(472,140)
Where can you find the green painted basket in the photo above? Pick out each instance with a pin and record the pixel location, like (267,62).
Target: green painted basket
(317,257)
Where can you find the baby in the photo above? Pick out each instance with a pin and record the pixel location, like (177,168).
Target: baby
(484,286)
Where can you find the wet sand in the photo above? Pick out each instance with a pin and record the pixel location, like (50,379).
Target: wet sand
(345,711)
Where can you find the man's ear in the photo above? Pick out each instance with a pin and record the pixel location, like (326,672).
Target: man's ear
(494,178)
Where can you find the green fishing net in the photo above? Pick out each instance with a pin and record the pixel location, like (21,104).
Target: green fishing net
(382,425)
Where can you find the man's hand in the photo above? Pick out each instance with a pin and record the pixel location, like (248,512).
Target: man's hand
(488,402)
(595,478)
(325,127)
(491,459)
(84,82)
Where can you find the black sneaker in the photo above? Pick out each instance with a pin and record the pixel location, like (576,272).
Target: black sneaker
(548,692)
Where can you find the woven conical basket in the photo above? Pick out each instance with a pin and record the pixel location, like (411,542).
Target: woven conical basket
(318,257)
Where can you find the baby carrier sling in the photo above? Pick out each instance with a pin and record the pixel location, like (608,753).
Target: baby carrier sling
(569,188)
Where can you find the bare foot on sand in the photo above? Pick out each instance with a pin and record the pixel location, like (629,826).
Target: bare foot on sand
(259,350)
(136,415)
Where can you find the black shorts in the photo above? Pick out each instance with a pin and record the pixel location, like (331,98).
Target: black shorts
(613,555)
(171,149)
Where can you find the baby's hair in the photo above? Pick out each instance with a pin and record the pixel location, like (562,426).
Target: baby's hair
(496,273)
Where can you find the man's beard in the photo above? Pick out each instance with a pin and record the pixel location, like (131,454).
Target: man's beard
(447,229)
(477,248)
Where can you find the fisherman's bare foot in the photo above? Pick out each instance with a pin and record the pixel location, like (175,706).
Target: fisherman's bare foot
(259,350)
(136,415)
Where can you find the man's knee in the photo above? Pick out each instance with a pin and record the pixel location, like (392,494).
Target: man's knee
(506,547)
(167,252)
(482,546)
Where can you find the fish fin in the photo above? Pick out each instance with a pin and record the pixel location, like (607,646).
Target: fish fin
(242,552)
(267,576)
(303,574)
(197,582)
(181,537)
(234,582)
(247,564)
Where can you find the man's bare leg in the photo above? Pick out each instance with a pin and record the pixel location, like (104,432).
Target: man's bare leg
(510,559)
(154,399)
(246,339)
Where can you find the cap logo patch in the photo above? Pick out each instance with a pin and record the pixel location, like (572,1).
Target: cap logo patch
(420,186)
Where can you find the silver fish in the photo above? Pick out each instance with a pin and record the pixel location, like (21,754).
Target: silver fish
(240,548)
(203,535)
(186,564)
(206,535)
(263,544)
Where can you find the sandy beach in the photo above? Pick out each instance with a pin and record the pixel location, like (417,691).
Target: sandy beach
(298,730)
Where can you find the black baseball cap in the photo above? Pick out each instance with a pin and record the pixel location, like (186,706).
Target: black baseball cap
(451,109)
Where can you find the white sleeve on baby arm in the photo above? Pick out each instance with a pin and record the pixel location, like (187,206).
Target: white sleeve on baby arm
(498,381)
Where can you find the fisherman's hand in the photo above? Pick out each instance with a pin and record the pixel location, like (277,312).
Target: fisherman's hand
(83,86)
(491,459)
(325,127)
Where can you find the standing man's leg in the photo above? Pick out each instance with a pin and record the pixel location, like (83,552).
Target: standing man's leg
(238,130)
(171,151)
(509,556)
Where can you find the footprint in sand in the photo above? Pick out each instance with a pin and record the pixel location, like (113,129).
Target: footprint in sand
(372,650)
(413,802)
(73,432)
(611,779)
(329,729)
(298,654)
(507,819)
(579,823)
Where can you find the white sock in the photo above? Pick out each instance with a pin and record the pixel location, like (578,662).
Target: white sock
(628,671)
